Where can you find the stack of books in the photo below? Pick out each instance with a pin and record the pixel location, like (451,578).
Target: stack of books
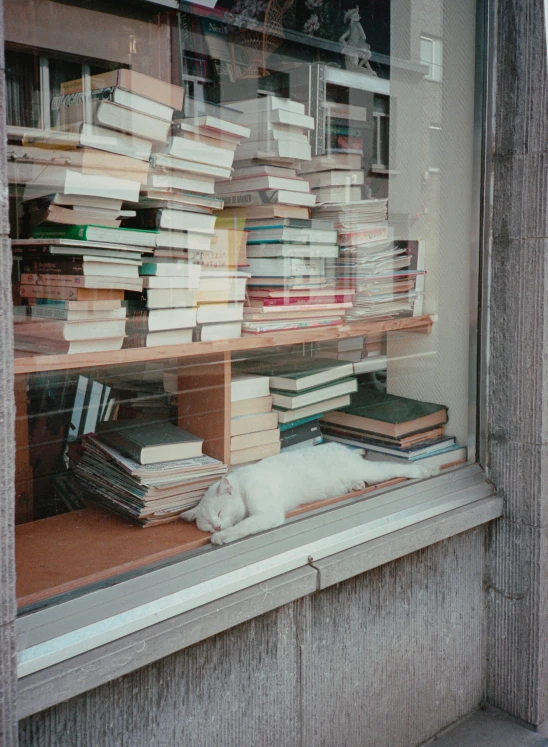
(147,472)
(387,277)
(76,279)
(182,184)
(368,354)
(265,182)
(304,387)
(335,178)
(222,292)
(279,130)
(394,428)
(165,312)
(347,349)
(289,287)
(254,432)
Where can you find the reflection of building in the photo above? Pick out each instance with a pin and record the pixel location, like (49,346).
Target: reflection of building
(389,641)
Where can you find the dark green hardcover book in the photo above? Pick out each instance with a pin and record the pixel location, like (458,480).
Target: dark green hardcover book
(300,374)
(148,443)
(387,414)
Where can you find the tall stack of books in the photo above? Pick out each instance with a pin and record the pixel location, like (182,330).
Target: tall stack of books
(146,472)
(304,388)
(105,127)
(182,185)
(394,428)
(254,432)
(289,288)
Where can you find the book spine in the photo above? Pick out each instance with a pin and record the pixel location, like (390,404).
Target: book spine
(53,267)
(77,233)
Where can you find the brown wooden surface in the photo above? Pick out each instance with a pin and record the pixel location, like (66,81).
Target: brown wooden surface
(40,363)
(67,552)
(204,404)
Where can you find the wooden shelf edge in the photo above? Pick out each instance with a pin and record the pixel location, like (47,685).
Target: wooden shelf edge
(42,363)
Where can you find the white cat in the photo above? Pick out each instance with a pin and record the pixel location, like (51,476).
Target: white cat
(258,496)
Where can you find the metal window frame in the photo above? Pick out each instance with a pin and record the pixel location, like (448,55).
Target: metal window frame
(55,639)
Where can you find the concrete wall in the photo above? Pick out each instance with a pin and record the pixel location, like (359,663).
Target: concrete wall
(386,658)
(8,683)
(518,394)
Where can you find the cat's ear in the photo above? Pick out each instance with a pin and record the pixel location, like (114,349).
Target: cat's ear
(189,515)
(225,487)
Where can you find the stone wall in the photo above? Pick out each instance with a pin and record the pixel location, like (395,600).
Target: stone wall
(386,658)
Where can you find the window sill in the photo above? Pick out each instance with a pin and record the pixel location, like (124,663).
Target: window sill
(82,643)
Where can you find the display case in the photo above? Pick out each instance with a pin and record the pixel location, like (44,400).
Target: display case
(198,192)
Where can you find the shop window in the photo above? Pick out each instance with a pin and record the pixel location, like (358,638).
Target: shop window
(224,251)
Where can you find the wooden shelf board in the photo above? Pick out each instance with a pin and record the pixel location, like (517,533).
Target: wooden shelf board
(67,552)
(41,363)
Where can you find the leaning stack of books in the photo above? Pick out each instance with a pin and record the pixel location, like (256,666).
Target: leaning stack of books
(288,288)
(394,428)
(304,387)
(265,182)
(146,472)
(254,432)
(114,118)
(165,312)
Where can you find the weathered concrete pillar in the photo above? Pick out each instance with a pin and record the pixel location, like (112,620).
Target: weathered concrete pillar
(8,680)
(517,634)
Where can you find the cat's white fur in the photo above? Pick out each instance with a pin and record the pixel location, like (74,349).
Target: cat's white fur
(257,497)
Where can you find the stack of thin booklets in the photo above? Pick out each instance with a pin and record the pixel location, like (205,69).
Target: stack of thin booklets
(289,288)
(146,472)
(387,277)
(254,432)
(303,387)
(394,428)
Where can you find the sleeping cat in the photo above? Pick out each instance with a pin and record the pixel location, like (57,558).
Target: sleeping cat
(258,496)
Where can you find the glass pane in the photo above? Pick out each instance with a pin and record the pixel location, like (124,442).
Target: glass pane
(240,232)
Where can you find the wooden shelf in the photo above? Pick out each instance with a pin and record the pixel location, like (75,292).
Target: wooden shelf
(42,363)
(63,553)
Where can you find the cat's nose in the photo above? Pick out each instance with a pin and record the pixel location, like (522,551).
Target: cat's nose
(217,528)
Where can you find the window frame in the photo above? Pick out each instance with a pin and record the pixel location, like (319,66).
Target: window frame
(126,595)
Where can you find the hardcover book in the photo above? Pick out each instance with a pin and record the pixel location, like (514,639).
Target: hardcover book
(388,414)
(150,442)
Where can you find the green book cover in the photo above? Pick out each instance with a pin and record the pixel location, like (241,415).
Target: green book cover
(79,233)
(389,408)
(300,374)
(295,398)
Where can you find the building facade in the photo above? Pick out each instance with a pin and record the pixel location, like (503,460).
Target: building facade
(391,637)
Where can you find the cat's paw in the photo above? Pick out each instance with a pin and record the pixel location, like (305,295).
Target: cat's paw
(189,515)
(222,538)
(423,472)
